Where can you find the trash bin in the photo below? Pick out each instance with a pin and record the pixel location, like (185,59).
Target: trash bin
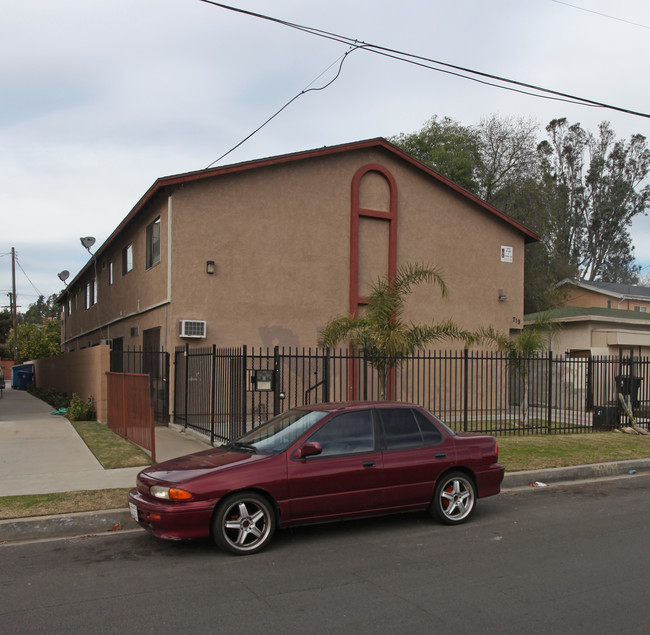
(605,417)
(21,376)
(628,386)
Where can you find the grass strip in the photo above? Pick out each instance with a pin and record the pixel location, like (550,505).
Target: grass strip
(110,449)
(61,503)
(537,452)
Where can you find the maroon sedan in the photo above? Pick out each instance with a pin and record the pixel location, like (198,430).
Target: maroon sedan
(315,464)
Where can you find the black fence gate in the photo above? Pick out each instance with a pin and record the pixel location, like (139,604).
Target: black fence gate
(153,363)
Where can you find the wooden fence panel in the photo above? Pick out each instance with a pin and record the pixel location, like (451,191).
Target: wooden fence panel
(130,411)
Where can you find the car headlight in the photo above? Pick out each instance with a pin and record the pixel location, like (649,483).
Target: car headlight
(170,493)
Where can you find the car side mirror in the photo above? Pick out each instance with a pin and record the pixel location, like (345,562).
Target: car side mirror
(310,448)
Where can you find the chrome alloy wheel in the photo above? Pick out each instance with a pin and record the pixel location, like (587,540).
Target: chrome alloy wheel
(244,523)
(454,498)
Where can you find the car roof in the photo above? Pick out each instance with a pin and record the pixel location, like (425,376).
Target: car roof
(356,405)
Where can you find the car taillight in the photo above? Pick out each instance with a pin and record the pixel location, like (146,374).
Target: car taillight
(170,493)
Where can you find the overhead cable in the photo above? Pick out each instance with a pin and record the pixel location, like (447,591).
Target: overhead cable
(418,60)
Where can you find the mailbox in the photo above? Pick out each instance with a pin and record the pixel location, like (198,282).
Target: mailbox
(264,380)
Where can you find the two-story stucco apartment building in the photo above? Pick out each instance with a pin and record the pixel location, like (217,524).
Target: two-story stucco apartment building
(266,252)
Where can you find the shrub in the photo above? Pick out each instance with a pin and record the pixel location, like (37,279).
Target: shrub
(79,410)
(56,398)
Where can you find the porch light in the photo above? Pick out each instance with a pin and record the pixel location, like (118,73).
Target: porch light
(210,267)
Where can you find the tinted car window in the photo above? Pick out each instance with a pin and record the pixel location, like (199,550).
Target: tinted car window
(349,433)
(400,429)
(430,433)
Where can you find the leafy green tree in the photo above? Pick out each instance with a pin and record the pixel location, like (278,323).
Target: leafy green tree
(40,311)
(448,147)
(382,332)
(533,339)
(598,185)
(5,326)
(38,341)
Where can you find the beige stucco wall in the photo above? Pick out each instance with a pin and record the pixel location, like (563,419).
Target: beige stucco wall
(82,372)
(280,237)
(601,338)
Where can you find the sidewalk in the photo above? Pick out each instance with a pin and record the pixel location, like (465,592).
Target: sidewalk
(41,453)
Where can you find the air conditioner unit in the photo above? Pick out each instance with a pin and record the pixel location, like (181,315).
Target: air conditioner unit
(191,328)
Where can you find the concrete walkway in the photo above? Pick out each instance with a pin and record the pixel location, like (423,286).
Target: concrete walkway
(41,453)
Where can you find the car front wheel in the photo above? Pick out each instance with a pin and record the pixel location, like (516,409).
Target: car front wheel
(454,498)
(244,523)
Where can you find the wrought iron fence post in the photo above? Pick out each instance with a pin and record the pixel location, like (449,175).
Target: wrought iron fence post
(276,381)
(244,360)
(365,376)
(465,389)
(326,372)
(549,397)
(187,382)
(213,382)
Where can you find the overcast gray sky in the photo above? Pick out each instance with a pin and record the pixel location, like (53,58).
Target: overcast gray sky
(98,99)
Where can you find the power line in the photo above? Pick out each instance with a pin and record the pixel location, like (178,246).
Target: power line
(604,15)
(26,276)
(460,71)
(307,89)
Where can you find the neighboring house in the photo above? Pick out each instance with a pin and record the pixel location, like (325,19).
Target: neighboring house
(265,252)
(587,332)
(605,295)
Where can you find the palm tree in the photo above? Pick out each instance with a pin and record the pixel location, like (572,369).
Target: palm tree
(532,340)
(381,331)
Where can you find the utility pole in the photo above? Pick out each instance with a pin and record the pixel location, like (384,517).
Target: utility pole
(13,302)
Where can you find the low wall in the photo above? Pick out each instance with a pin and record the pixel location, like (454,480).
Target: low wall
(82,372)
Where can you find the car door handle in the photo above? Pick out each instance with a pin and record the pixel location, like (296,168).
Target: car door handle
(441,455)
(370,464)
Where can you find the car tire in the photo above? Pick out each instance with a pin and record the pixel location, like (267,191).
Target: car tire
(454,498)
(244,523)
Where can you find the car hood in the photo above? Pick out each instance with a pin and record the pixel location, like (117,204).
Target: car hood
(187,468)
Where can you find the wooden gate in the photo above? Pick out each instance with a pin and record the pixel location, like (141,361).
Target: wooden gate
(130,411)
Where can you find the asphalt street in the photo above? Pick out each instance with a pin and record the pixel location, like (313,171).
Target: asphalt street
(569,558)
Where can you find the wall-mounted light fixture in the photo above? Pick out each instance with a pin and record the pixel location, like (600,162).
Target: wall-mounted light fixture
(210,267)
(502,296)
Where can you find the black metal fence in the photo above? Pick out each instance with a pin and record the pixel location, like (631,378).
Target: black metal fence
(224,392)
(153,363)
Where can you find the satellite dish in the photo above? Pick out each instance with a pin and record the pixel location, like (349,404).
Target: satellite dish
(87,241)
(64,275)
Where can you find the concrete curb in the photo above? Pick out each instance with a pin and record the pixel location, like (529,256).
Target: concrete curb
(84,523)
(65,525)
(574,473)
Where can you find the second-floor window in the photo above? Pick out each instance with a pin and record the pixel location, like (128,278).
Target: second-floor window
(127,259)
(91,293)
(153,243)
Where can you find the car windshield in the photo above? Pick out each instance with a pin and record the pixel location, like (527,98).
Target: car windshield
(279,433)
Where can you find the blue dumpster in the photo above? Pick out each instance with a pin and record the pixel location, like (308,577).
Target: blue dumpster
(21,376)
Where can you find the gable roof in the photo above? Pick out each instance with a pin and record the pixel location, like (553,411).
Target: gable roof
(377,143)
(613,289)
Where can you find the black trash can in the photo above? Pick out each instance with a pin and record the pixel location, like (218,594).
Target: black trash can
(628,386)
(605,417)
